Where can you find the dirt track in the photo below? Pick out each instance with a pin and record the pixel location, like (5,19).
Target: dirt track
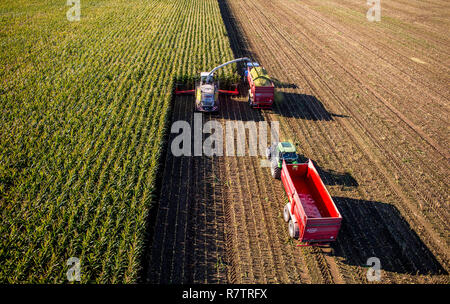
(372,119)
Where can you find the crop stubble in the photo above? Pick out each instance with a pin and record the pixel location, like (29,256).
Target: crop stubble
(309,66)
(354,129)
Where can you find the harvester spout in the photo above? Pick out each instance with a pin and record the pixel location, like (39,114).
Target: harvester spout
(224,64)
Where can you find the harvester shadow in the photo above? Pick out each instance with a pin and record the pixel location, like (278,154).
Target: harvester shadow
(375,229)
(302,106)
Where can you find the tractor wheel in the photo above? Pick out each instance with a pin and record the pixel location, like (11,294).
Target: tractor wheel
(250,99)
(286,214)
(276,171)
(293,230)
(268,152)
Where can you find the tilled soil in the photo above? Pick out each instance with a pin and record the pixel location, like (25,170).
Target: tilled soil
(372,119)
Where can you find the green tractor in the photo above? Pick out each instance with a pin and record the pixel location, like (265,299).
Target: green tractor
(279,152)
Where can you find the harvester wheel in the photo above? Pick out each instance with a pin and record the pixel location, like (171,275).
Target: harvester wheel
(286,214)
(293,229)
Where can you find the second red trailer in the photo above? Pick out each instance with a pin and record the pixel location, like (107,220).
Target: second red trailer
(311,213)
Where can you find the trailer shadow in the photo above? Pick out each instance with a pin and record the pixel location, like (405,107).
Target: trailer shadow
(375,229)
(331,177)
(302,106)
(283,85)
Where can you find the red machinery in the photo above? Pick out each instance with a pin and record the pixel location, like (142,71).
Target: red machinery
(262,89)
(311,213)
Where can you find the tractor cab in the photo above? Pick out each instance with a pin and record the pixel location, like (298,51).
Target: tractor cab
(286,151)
(207,95)
(277,153)
(249,66)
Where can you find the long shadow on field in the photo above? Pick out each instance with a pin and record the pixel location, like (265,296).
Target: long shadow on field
(331,177)
(239,45)
(302,106)
(296,105)
(375,229)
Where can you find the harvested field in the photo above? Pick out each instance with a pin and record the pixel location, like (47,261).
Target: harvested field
(368,103)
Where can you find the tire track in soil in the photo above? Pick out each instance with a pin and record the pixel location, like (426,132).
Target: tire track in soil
(244,216)
(420,193)
(365,63)
(320,260)
(271,215)
(353,75)
(188,237)
(415,186)
(157,263)
(411,178)
(260,48)
(228,216)
(256,213)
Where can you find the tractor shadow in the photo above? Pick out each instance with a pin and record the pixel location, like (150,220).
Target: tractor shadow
(286,104)
(302,106)
(234,109)
(375,229)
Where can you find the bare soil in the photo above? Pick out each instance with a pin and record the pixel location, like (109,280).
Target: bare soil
(374,121)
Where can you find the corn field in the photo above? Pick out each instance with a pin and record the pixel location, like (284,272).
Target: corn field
(84,111)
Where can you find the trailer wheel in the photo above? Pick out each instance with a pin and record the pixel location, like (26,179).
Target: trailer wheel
(293,229)
(286,214)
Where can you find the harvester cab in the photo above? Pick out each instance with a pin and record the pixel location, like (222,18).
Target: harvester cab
(207,93)
(277,153)
(204,79)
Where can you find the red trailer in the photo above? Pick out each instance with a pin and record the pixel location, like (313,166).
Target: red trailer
(262,89)
(311,213)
